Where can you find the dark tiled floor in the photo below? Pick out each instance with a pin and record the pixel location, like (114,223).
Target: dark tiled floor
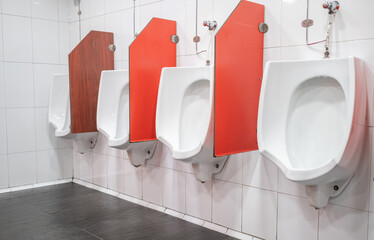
(70,211)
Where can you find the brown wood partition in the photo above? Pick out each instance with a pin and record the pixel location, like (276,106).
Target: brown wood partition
(86,61)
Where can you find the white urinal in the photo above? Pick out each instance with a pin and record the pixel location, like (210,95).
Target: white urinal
(113,116)
(59,114)
(310,122)
(184,118)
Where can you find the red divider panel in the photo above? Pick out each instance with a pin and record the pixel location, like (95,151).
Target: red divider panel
(86,61)
(149,53)
(238,72)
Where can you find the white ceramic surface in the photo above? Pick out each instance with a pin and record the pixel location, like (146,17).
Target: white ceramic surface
(113,114)
(184,121)
(310,122)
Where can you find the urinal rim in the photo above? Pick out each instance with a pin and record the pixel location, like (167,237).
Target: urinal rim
(300,175)
(186,153)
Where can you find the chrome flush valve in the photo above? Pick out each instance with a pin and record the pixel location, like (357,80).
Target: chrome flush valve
(212,25)
(332,6)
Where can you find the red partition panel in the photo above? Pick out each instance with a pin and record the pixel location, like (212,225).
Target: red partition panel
(238,72)
(149,53)
(86,61)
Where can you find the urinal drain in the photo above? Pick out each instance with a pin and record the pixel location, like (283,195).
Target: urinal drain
(217,165)
(336,187)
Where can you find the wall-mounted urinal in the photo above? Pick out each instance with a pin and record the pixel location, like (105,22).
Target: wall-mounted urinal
(59,114)
(184,118)
(113,116)
(310,122)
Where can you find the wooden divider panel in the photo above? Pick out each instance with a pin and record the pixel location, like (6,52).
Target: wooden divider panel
(238,72)
(86,61)
(149,53)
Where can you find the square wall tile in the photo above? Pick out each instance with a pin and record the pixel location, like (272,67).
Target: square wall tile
(115,174)
(45,9)
(174,190)
(17,44)
(19,85)
(22,169)
(64,42)
(76,164)
(296,219)
(116,5)
(85,166)
(19,7)
(133,180)
(176,10)
(43,75)
(357,193)
(259,172)
(67,163)
(152,184)
(273,16)
(198,198)
(74,35)
(128,29)
(20,130)
(233,169)
(289,187)
(100,169)
(167,160)
(2,86)
(113,23)
(1,40)
(227,204)
(260,213)
(147,12)
(371,226)
(96,8)
(49,165)
(45,41)
(63,11)
(4,183)
(342,223)
(45,133)
(3,134)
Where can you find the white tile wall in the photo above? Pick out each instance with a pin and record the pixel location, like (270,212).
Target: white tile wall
(251,195)
(34,45)
(17,44)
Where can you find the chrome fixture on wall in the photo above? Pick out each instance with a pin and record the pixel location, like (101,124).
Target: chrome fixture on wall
(333,7)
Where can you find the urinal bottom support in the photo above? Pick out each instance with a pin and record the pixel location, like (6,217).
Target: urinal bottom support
(139,152)
(319,195)
(85,141)
(204,170)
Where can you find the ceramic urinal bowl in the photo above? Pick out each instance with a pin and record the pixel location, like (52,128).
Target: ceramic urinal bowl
(310,122)
(113,116)
(59,114)
(184,118)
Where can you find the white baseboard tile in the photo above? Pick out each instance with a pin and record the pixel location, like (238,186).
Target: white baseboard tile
(156,207)
(193,220)
(174,213)
(44,184)
(140,202)
(20,188)
(5,190)
(111,192)
(239,235)
(125,197)
(215,227)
